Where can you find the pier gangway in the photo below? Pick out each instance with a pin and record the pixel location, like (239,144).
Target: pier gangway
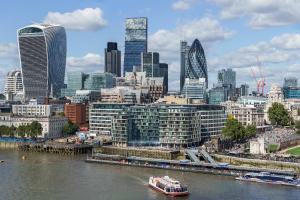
(207,157)
(192,155)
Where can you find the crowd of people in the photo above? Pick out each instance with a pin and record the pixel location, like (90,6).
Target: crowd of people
(279,135)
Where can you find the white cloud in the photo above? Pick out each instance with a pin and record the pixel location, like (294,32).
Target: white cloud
(279,57)
(9,51)
(263,13)
(88,19)
(89,63)
(183,4)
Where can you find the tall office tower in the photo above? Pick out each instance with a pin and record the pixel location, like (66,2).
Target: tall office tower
(195,66)
(244,90)
(164,72)
(135,42)
(113,59)
(290,82)
(42,50)
(150,64)
(184,48)
(13,83)
(75,82)
(227,77)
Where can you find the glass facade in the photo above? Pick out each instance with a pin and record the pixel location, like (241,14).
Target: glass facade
(43,59)
(194,89)
(195,66)
(112,59)
(291,92)
(136,37)
(290,82)
(150,64)
(184,48)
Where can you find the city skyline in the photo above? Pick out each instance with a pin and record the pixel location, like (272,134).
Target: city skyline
(227,43)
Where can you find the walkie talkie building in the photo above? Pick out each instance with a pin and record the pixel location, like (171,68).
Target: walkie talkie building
(42,49)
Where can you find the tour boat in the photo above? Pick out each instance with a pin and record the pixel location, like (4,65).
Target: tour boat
(168,186)
(266,177)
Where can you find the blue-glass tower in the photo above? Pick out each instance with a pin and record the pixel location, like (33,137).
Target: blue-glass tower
(42,50)
(136,38)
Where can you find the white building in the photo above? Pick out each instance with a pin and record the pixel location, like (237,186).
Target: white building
(52,127)
(13,84)
(33,110)
(258,146)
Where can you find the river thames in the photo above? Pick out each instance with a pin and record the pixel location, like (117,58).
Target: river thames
(50,177)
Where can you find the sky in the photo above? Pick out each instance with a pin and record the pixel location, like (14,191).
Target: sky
(241,35)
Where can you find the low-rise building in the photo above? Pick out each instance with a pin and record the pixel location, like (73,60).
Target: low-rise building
(76,113)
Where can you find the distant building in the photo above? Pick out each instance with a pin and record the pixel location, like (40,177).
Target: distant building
(227,77)
(184,49)
(195,89)
(195,66)
(121,95)
(136,39)
(150,63)
(258,146)
(290,82)
(13,83)
(244,90)
(42,50)
(94,81)
(291,92)
(218,95)
(112,59)
(164,72)
(76,113)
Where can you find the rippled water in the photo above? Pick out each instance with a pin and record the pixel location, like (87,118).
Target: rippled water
(47,177)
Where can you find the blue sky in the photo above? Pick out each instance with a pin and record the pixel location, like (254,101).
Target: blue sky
(233,33)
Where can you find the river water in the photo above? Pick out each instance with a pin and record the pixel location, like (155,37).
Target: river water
(51,177)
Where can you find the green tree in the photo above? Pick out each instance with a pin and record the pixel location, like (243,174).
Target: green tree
(35,129)
(250,130)
(297,126)
(69,128)
(22,131)
(278,115)
(11,131)
(4,130)
(233,129)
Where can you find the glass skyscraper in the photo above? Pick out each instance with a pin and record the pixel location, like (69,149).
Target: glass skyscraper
(195,66)
(42,50)
(184,48)
(136,38)
(113,59)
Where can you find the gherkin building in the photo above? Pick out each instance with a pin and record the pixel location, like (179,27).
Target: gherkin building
(195,66)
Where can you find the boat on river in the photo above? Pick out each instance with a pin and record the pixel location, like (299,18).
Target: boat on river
(266,177)
(168,186)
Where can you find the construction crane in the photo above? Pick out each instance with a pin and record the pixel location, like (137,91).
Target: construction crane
(260,82)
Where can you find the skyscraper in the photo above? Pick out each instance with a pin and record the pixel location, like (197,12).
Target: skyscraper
(42,50)
(184,48)
(136,38)
(113,59)
(164,72)
(227,77)
(150,64)
(195,66)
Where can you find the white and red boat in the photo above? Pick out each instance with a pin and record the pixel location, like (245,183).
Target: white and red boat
(168,186)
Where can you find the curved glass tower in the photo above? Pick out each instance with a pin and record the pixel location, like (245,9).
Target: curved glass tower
(195,66)
(42,49)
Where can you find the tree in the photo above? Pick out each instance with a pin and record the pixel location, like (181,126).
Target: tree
(250,130)
(22,131)
(11,131)
(2,97)
(297,126)
(69,128)
(233,129)
(278,115)
(35,129)
(4,130)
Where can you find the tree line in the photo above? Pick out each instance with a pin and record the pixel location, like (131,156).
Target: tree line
(30,130)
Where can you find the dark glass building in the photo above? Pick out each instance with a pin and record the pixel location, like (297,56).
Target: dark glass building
(184,48)
(42,50)
(135,42)
(195,66)
(150,64)
(112,59)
